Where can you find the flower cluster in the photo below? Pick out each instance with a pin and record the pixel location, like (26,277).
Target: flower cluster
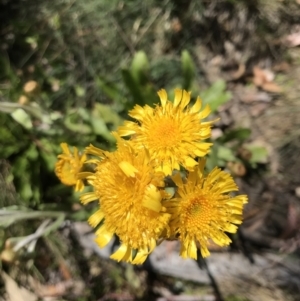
(165,144)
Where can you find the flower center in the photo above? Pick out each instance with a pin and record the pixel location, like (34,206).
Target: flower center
(197,213)
(164,133)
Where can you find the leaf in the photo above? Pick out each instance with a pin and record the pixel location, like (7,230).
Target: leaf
(100,128)
(110,90)
(259,154)
(140,67)
(212,159)
(225,153)
(133,87)
(71,123)
(32,109)
(239,134)
(188,70)
(102,115)
(14,292)
(32,153)
(79,91)
(216,95)
(271,87)
(22,118)
(107,114)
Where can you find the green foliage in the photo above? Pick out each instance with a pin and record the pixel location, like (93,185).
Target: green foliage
(188,70)
(231,147)
(259,154)
(225,148)
(216,95)
(40,125)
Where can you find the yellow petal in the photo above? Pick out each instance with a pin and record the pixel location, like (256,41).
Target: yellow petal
(190,163)
(83,158)
(92,150)
(185,99)
(231,228)
(125,131)
(79,185)
(128,169)
(165,168)
(152,245)
(103,236)
(206,111)
(242,198)
(178,97)
(213,176)
(197,106)
(201,149)
(163,97)
(88,197)
(192,250)
(193,176)
(65,148)
(140,257)
(84,175)
(152,198)
(184,248)
(204,251)
(201,165)
(123,253)
(137,112)
(177,179)
(238,201)
(95,219)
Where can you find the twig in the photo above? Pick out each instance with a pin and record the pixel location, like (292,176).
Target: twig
(201,262)
(29,238)
(42,230)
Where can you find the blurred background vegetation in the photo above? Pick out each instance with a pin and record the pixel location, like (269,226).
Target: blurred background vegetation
(69,72)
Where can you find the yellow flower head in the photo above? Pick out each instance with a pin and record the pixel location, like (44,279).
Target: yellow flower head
(203,210)
(68,166)
(129,194)
(172,132)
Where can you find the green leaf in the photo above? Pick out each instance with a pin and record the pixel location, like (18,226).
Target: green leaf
(259,154)
(212,159)
(79,91)
(79,127)
(225,153)
(107,114)
(240,134)
(216,95)
(22,118)
(133,87)
(188,70)
(110,90)
(32,153)
(140,67)
(100,128)
(47,154)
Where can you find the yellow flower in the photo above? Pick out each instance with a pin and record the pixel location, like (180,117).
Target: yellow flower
(172,132)
(130,199)
(68,166)
(203,209)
